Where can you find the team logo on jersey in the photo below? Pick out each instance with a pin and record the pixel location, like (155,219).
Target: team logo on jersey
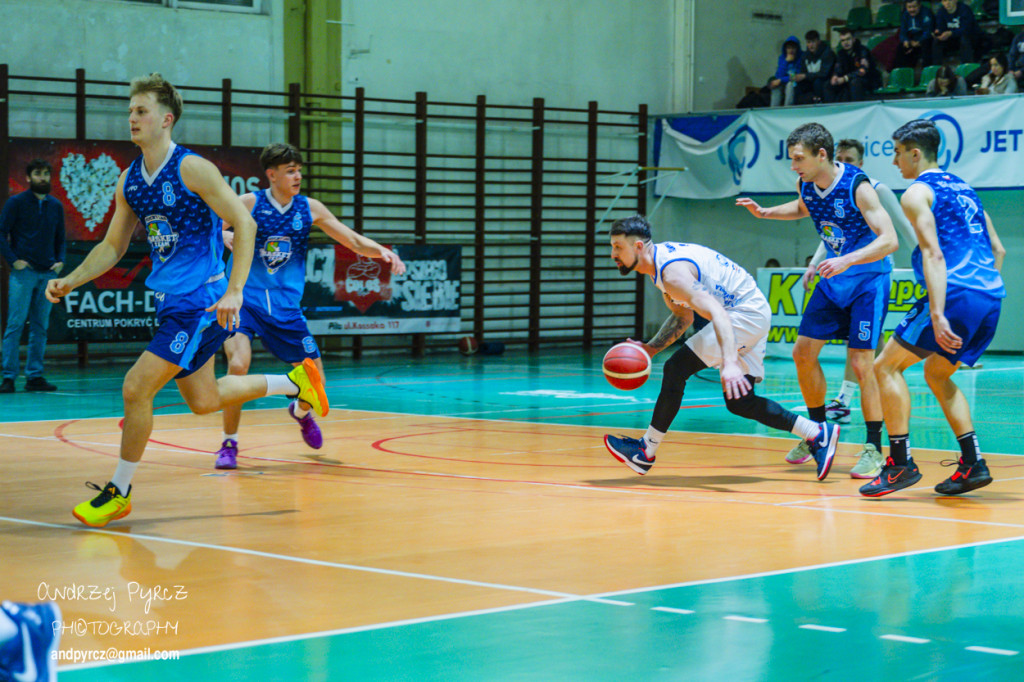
(163,240)
(275,252)
(833,236)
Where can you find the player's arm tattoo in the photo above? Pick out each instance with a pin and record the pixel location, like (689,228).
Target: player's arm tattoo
(670,331)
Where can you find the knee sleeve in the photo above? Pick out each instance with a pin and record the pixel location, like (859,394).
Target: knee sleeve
(760,409)
(680,367)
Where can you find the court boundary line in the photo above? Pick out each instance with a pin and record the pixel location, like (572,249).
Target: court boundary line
(593,598)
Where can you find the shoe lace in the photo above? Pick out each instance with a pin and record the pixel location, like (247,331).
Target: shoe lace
(949,462)
(106,494)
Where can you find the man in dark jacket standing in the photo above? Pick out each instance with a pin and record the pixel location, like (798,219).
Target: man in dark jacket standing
(856,74)
(819,59)
(32,243)
(955,32)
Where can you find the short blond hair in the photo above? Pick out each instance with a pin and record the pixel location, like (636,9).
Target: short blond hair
(165,93)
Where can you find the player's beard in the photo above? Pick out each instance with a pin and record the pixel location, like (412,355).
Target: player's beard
(626,269)
(40,187)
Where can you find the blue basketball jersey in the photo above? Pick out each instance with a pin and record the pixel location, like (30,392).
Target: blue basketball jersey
(278,273)
(963,235)
(183,232)
(839,221)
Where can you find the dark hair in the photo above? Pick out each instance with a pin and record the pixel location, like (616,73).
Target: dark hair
(772,263)
(850,143)
(844,31)
(633,226)
(165,93)
(812,35)
(946,71)
(38,164)
(920,134)
(910,1)
(279,154)
(813,136)
(1003,60)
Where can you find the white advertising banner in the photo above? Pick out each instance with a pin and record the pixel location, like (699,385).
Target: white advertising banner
(783,287)
(982,142)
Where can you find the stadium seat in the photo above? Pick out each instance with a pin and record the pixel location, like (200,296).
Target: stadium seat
(858,18)
(965,69)
(927,75)
(900,80)
(873,41)
(888,16)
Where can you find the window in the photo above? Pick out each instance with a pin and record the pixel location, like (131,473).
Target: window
(251,6)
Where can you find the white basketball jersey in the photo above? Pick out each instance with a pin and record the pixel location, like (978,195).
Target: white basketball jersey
(726,281)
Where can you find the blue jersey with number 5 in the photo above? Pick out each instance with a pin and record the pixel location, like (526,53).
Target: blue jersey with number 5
(963,235)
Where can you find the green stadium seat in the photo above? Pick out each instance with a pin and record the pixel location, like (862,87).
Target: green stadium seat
(888,15)
(927,76)
(858,18)
(873,41)
(899,81)
(965,69)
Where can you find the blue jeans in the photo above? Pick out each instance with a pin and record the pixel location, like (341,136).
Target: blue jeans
(27,302)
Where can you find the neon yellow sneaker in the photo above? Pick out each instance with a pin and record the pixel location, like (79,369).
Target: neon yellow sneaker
(311,386)
(869,464)
(109,505)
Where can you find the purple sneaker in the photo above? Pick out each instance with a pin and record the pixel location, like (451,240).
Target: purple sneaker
(310,431)
(227,454)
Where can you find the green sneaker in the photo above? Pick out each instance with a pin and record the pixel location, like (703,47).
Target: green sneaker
(870,463)
(800,454)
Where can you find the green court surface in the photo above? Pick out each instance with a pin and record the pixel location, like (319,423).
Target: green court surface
(955,613)
(939,615)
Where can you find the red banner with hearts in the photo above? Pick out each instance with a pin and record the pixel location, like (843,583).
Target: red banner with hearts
(85,176)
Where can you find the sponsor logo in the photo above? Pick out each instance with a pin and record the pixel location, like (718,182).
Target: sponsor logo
(734,152)
(951,145)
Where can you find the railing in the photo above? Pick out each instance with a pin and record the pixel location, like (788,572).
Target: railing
(520,187)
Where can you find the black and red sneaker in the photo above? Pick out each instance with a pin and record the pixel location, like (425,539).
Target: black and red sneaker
(892,478)
(967,477)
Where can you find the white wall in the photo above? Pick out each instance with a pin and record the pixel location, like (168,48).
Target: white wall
(114,40)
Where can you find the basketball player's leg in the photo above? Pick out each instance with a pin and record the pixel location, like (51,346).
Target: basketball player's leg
(823,320)
(287,336)
(238,350)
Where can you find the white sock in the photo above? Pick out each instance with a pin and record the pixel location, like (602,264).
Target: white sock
(231,436)
(653,439)
(847,393)
(297,410)
(7,627)
(280,384)
(123,475)
(805,428)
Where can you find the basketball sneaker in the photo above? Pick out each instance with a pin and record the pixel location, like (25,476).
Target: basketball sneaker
(630,451)
(837,412)
(823,448)
(227,456)
(310,431)
(800,454)
(109,505)
(311,386)
(893,477)
(870,463)
(967,477)
(29,655)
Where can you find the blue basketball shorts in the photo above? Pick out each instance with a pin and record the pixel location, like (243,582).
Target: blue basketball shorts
(188,335)
(284,333)
(853,313)
(973,315)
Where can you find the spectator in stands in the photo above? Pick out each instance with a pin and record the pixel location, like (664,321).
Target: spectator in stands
(955,32)
(916,25)
(1016,59)
(999,80)
(790,63)
(856,74)
(946,84)
(819,59)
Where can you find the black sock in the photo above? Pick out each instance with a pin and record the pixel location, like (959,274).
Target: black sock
(899,449)
(816,414)
(874,434)
(969,447)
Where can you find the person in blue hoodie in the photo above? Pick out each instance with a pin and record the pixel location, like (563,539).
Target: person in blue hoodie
(916,25)
(782,85)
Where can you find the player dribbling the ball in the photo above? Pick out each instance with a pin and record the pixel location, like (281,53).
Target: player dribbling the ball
(692,278)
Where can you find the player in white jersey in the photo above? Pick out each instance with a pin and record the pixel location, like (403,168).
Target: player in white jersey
(850,151)
(182,198)
(694,278)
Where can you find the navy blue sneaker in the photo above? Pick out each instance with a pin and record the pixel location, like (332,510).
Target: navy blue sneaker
(29,656)
(823,448)
(630,451)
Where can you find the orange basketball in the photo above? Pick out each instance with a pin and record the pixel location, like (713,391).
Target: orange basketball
(626,366)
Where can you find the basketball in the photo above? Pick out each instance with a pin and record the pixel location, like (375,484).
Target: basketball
(468,345)
(626,366)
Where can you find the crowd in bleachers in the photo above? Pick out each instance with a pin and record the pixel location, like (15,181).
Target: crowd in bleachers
(906,48)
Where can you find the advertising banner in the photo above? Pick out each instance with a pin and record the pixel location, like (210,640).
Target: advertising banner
(982,141)
(783,287)
(351,294)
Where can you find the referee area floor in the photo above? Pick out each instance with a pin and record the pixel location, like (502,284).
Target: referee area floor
(464,521)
